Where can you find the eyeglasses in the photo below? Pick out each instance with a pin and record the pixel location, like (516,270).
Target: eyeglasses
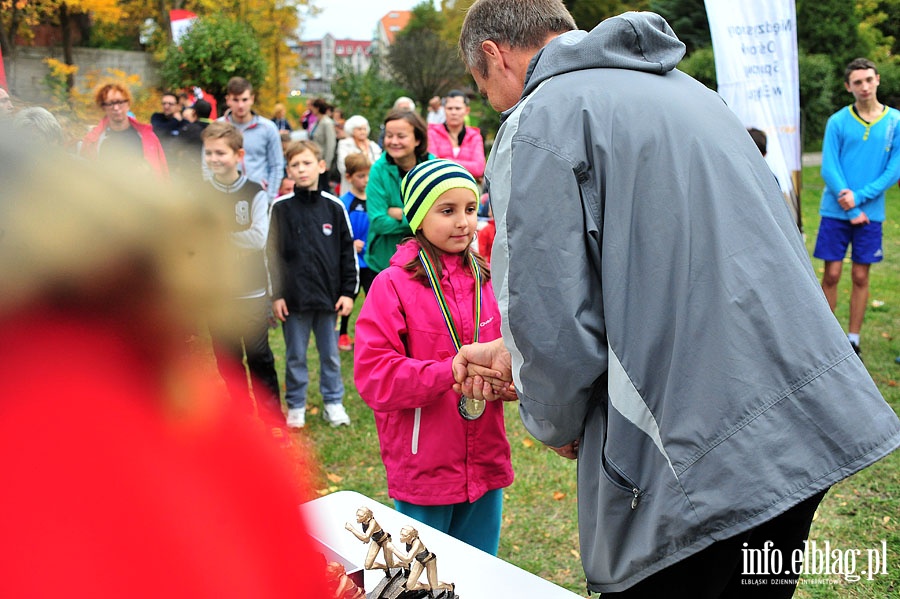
(168,103)
(113,103)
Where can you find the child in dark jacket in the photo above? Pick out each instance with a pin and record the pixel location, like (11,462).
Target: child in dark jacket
(314,278)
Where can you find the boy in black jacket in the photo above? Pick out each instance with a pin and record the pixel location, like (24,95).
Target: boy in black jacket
(314,279)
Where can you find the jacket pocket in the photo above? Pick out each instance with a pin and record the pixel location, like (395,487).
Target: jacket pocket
(613,473)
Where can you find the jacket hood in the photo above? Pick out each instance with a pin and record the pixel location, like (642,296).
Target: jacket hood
(638,41)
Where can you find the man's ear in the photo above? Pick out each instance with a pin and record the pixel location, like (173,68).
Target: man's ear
(492,52)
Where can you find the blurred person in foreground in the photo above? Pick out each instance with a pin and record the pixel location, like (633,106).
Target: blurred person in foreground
(642,291)
(126,470)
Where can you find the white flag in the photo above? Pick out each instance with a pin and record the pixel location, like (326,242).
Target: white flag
(755,46)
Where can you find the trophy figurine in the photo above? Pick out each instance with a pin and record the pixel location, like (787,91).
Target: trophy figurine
(377,538)
(419,558)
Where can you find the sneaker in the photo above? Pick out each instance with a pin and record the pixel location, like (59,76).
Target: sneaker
(345,342)
(335,414)
(855,347)
(296,418)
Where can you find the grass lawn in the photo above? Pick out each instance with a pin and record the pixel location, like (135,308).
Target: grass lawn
(540,531)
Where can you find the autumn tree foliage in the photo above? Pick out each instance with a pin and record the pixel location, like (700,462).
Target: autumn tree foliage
(423,61)
(215,49)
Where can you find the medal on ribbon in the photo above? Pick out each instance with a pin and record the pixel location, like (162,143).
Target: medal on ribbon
(469,407)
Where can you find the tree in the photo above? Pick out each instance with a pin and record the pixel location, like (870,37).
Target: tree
(19,18)
(215,49)
(422,61)
(368,94)
(829,27)
(817,99)
(588,13)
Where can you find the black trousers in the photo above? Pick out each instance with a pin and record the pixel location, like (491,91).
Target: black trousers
(717,571)
(366,276)
(248,331)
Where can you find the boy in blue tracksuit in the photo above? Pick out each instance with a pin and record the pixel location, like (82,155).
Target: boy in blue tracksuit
(357,169)
(860,161)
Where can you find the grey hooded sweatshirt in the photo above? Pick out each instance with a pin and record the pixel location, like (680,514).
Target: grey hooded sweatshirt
(659,305)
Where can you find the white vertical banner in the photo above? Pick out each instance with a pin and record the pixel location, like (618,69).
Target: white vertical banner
(755,47)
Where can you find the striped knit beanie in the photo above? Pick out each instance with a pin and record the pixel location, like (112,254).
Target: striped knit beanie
(425,183)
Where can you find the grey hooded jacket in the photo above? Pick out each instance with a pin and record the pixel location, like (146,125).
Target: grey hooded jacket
(659,304)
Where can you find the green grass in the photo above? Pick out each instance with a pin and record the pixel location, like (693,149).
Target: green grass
(540,531)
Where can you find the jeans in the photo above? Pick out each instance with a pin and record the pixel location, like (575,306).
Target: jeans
(296,330)
(247,330)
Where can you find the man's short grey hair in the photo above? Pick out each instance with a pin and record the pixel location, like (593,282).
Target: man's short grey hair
(404,103)
(356,121)
(520,24)
(39,124)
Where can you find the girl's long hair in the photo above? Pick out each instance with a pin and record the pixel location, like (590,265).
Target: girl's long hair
(415,265)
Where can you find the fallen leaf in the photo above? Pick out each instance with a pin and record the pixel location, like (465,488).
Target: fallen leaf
(892,383)
(313,410)
(886,335)
(527,442)
(335,478)
(886,519)
(558,495)
(575,553)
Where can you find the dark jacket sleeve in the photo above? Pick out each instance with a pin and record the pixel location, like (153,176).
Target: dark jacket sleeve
(349,266)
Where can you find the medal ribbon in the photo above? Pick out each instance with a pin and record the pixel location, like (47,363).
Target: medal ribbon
(442,301)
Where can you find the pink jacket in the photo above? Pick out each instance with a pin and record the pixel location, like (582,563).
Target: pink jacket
(471,150)
(153,152)
(402,359)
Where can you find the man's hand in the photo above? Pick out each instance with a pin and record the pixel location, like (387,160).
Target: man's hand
(846,199)
(862,219)
(569,451)
(484,371)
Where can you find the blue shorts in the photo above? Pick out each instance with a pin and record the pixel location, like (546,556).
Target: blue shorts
(836,234)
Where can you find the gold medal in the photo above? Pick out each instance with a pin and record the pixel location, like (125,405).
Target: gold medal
(471,408)
(468,407)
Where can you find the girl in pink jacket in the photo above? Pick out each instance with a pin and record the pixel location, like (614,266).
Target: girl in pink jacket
(447,458)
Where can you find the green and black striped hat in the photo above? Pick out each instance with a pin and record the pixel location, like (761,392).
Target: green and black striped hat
(424,184)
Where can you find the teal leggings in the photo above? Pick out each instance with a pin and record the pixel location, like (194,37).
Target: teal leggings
(477,524)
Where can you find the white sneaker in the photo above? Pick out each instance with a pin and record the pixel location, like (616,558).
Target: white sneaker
(296,418)
(336,414)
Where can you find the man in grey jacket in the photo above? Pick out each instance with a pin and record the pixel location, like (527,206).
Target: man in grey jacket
(661,319)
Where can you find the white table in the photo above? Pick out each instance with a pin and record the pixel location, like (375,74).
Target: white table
(477,575)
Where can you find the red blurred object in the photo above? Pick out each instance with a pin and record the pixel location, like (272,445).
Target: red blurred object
(127,473)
